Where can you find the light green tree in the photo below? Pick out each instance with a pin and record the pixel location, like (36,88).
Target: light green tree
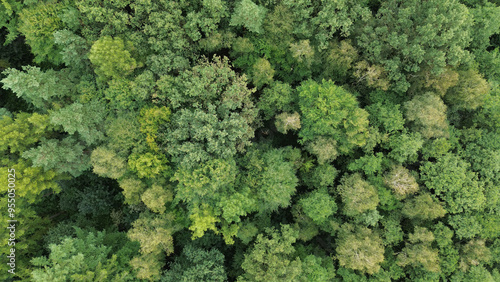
(248,14)
(359,248)
(419,251)
(358,195)
(112,57)
(330,111)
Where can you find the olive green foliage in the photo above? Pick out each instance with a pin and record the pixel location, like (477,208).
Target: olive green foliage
(428,112)
(272,177)
(262,73)
(276,97)
(423,207)
(149,165)
(9,19)
(359,248)
(23,131)
(401,181)
(107,163)
(286,122)
(419,251)
(470,91)
(358,195)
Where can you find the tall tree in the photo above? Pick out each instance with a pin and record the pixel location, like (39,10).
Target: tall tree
(358,195)
(272,257)
(212,113)
(406,36)
(359,248)
(451,179)
(330,111)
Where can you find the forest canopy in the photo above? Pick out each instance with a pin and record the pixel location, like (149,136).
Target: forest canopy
(250,140)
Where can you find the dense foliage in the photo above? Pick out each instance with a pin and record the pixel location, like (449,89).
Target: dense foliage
(251,140)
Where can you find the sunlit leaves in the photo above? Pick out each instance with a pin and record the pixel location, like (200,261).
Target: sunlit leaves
(359,248)
(112,57)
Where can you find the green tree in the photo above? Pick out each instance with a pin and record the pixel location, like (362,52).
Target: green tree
(74,50)
(374,76)
(37,23)
(9,19)
(29,226)
(465,225)
(330,111)
(302,52)
(401,181)
(448,253)
(339,59)
(470,91)
(112,57)
(195,264)
(213,115)
(318,205)
(107,163)
(124,95)
(123,134)
(405,146)
(132,189)
(272,177)
(423,207)
(428,113)
(149,165)
(155,235)
(156,197)
(325,149)
(474,253)
(277,97)
(386,117)
(248,14)
(150,120)
(40,88)
(317,268)
(23,131)
(262,73)
(211,192)
(419,251)
(369,164)
(33,180)
(286,121)
(358,195)
(272,257)
(84,258)
(65,155)
(359,248)
(432,34)
(84,119)
(337,16)
(476,273)
(451,179)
